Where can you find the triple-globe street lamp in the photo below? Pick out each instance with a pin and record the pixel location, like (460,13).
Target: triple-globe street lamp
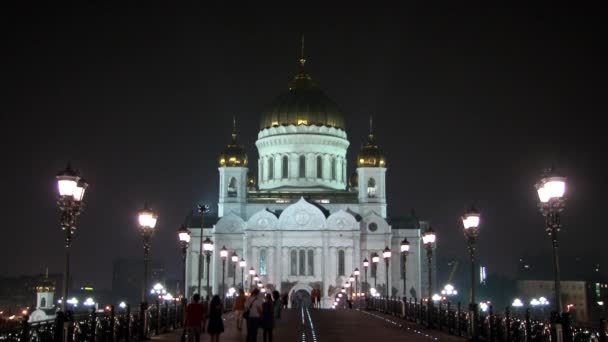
(356,273)
(71,189)
(365,267)
(404,248)
(551,189)
(202,209)
(251,274)
(470,221)
(375,261)
(242,264)
(386,254)
(235,260)
(208,250)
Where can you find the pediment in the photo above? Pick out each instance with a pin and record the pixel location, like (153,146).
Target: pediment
(302,216)
(230,223)
(262,220)
(372,223)
(342,220)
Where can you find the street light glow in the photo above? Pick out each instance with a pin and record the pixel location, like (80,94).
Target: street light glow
(517,303)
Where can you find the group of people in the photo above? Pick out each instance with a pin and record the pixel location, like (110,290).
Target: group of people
(259,312)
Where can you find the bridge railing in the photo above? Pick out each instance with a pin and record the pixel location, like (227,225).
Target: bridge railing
(97,325)
(490,326)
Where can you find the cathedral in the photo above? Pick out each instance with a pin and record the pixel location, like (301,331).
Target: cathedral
(302,224)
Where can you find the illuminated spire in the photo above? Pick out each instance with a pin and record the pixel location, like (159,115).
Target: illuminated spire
(302,59)
(371,128)
(233,129)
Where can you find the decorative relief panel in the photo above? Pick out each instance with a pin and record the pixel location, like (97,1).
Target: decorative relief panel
(341,220)
(373,223)
(262,220)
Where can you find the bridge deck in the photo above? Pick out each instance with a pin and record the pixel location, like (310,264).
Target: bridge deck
(331,325)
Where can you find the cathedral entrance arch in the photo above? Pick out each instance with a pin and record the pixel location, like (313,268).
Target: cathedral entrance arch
(299,296)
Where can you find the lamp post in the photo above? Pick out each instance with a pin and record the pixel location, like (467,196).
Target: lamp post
(71,189)
(470,221)
(256,279)
(351,280)
(356,273)
(365,266)
(243,264)
(184,240)
(428,239)
(235,260)
(375,261)
(208,250)
(251,274)
(147,222)
(551,189)
(386,254)
(202,209)
(224,256)
(404,247)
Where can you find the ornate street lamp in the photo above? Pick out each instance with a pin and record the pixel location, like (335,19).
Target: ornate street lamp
(71,189)
(243,264)
(375,261)
(208,250)
(235,260)
(404,247)
(147,222)
(202,209)
(470,221)
(256,279)
(386,254)
(351,281)
(251,274)
(428,239)
(365,267)
(223,256)
(356,273)
(183,234)
(551,189)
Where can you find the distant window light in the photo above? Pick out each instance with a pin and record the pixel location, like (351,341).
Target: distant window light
(232,187)
(285,166)
(302,167)
(270,168)
(341,270)
(302,265)
(371,188)
(333,169)
(263,263)
(319,167)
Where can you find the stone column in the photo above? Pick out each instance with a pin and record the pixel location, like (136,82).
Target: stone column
(270,265)
(284,264)
(318,261)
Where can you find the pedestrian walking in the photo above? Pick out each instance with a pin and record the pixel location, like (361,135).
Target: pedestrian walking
(268,317)
(253,314)
(238,308)
(216,324)
(194,319)
(277,304)
(284,299)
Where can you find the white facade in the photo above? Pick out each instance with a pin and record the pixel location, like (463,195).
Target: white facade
(295,243)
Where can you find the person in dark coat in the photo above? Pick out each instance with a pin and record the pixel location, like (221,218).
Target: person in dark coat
(268,317)
(216,324)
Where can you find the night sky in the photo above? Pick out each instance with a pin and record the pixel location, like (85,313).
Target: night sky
(470,105)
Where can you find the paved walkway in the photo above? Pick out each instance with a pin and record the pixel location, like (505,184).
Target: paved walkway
(331,325)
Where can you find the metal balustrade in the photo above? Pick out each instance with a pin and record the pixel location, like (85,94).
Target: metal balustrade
(453,320)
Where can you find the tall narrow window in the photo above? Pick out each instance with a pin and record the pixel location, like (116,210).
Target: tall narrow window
(232,187)
(43,302)
(294,263)
(319,167)
(333,169)
(371,188)
(302,167)
(263,263)
(270,168)
(285,166)
(341,262)
(311,262)
(302,263)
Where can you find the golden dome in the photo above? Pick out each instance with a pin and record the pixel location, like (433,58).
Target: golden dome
(370,154)
(302,104)
(234,154)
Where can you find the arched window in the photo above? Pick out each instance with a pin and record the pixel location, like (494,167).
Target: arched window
(43,302)
(302,167)
(232,187)
(333,169)
(270,168)
(285,167)
(371,188)
(319,167)
(294,262)
(341,262)
(311,262)
(263,263)
(302,262)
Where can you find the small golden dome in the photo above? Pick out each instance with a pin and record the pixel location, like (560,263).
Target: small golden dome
(234,154)
(252,181)
(371,155)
